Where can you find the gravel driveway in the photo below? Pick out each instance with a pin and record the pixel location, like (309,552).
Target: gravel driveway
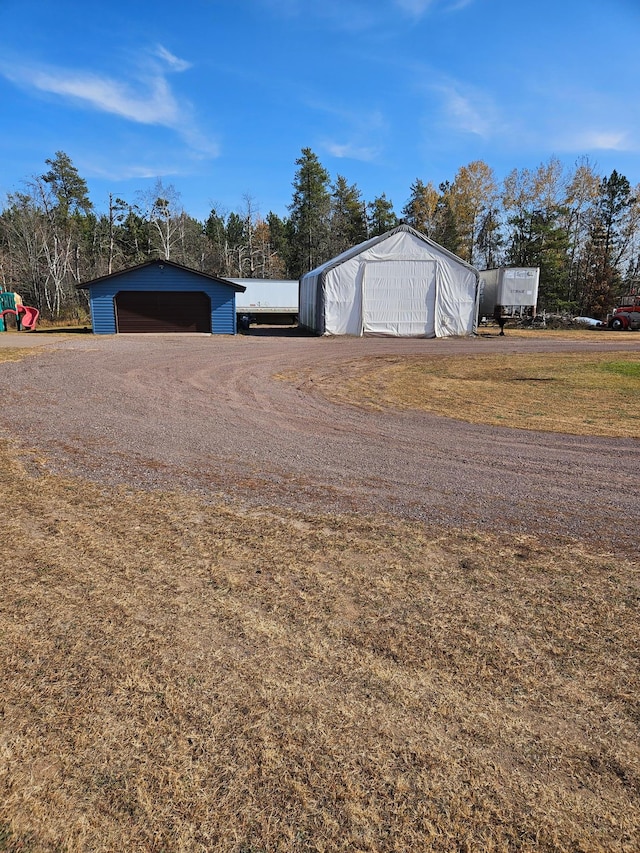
(206,413)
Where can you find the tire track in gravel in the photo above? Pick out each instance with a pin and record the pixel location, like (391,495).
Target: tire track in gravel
(207,414)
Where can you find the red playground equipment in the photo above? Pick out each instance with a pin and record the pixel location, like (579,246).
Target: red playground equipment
(11,305)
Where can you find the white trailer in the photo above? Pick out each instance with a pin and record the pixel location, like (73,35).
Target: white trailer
(515,288)
(267,300)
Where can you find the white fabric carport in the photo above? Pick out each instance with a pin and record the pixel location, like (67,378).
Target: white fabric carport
(399,284)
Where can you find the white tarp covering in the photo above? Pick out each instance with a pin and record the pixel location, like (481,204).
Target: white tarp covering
(399,284)
(399,299)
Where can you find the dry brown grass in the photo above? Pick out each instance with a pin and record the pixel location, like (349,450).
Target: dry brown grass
(582,394)
(570,334)
(178,676)
(9,353)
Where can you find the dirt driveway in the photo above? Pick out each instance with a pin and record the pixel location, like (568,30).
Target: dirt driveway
(206,413)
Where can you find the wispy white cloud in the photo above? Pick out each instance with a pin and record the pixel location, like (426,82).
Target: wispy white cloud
(174,62)
(147,98)
(124,172)
(418,8)
(467,109)
(582,116)
(351,151)
(359,15)
(355,135)
(151,102)
(597,140)
(533,120)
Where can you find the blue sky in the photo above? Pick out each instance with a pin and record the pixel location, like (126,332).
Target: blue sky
(218,97)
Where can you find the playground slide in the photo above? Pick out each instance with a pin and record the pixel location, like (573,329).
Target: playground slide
(28,316)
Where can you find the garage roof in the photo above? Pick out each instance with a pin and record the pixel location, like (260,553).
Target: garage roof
(239,288)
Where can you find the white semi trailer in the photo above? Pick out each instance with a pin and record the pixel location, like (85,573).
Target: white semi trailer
(265,300)
(515,288)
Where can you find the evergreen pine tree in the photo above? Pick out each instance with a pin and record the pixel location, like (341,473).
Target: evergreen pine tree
(310,213)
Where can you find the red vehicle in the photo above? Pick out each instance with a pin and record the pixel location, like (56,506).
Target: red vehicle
(627,314)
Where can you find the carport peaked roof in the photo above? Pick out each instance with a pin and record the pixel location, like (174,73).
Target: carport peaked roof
(239,288)
(372,241)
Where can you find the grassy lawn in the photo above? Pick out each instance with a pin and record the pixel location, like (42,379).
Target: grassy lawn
(182,676)
(9,353)
(582,394)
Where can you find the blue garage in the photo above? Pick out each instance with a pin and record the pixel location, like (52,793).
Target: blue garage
(162,296)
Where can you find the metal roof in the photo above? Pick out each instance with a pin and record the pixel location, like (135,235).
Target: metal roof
(159,262)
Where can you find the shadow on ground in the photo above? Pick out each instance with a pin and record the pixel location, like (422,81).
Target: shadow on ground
(63,330)
(276,332)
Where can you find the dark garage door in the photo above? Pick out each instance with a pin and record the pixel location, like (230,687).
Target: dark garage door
(163,311)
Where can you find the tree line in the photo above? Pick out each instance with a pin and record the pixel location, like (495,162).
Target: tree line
(581,228)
